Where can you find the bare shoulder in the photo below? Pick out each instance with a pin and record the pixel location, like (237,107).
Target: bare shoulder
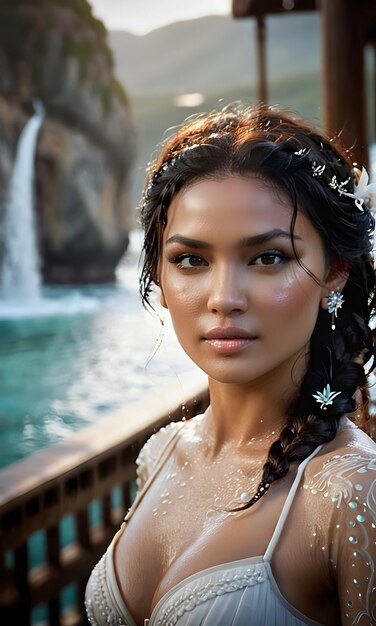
(344,470)
(153,449)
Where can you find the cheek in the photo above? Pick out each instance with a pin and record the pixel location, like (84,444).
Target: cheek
(183,296)
(293,299)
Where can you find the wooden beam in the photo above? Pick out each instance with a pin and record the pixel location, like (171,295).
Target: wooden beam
(255,8)
(261,57)
(343,75)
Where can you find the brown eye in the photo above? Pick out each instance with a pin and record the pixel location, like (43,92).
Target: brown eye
(269,258)
(189,260)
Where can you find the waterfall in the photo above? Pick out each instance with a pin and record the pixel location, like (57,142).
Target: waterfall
(20,276)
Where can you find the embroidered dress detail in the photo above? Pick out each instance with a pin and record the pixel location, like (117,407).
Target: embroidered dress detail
(187,600)
(348,482)
(99,598)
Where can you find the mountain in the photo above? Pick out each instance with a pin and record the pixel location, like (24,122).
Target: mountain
(213,52)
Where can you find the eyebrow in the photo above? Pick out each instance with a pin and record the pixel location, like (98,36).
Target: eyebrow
(247,242)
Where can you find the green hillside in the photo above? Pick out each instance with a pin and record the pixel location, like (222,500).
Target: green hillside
(156,114)
(205,53)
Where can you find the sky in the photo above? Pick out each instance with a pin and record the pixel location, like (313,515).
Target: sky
(142,16)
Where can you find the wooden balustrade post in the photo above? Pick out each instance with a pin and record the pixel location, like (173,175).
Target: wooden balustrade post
(107,510)
(21,568)
(83,529)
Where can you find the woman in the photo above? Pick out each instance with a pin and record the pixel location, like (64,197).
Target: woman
(262,511)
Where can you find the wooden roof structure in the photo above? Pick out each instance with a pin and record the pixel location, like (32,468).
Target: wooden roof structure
(347,26)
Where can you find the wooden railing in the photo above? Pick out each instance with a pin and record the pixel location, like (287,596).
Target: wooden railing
(81,487)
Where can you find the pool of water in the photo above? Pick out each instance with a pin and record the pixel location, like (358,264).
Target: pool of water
(73,356)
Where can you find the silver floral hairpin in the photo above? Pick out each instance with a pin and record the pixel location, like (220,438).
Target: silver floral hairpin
(362,190)
(325,397)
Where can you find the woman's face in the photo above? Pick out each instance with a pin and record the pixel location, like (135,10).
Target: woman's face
(241,305)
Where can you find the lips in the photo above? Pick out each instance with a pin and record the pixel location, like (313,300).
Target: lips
(230,332)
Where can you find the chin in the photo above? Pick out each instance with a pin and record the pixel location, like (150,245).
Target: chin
(231,375)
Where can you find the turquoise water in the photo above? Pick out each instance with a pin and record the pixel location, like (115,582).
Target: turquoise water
(66,361)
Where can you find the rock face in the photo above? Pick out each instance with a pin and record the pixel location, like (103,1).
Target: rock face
(56,51)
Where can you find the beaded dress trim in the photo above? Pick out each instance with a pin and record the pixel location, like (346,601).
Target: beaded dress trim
(191,597)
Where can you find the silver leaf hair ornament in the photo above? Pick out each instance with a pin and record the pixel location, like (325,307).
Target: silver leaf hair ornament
(325,397)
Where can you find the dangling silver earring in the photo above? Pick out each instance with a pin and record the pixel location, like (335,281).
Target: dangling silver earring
(335,302)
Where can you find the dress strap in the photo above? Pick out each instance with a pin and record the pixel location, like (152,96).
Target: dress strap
(166,451)
(287,505)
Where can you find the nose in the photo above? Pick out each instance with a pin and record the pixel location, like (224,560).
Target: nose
(227,291)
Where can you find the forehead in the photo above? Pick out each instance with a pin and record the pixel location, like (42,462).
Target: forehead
(229,206)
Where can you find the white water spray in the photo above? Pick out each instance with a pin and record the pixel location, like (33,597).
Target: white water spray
(20,276)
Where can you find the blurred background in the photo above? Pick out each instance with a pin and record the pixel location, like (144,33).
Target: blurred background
(88,90)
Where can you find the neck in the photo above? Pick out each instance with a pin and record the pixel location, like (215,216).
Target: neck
(248,417)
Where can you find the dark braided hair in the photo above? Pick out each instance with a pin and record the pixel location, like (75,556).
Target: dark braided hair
(297,159)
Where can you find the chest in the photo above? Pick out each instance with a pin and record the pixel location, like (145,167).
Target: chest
(181,528)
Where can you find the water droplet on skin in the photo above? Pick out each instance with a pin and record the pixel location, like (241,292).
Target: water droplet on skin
(181,496)
(164,512)
(182,484)
(350,603)
(169,502)
(245,496)
(164,501)
(357,581)
(314,491)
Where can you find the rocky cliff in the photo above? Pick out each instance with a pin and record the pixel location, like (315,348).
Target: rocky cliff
(57,52)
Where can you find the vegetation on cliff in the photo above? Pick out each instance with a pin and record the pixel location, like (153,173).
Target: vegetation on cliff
(25,37)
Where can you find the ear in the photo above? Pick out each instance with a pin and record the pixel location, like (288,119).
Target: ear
(162,300)
(336,279)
